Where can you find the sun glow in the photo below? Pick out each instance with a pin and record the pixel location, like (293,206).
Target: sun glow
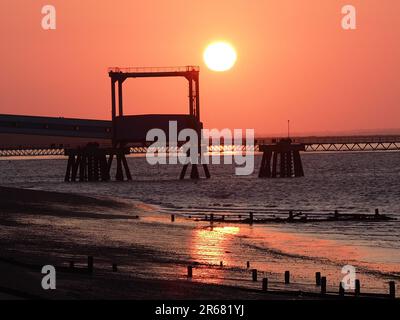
(220,56)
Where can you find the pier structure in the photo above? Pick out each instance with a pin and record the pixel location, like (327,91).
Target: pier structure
(281,159)
(93,164)
(132,129)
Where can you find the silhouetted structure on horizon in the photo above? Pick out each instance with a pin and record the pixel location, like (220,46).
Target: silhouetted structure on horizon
(281,159)
(133,129)
(92,163)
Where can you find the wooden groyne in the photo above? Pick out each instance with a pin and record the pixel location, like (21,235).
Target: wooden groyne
(254,279)
(320,289)
(292,216)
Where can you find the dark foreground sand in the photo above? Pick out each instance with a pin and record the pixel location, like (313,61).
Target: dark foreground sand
(19,282)
(21,256)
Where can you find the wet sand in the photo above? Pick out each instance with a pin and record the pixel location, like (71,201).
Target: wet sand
(26,247)
(24,283)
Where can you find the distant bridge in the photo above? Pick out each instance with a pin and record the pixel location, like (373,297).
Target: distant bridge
(347,143)
(45,136)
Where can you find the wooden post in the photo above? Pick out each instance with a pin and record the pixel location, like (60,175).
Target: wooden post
(172,218)
(289,164)
(341,289)
(282,171)
(194,174)
(323,285)
(336,214)
(96,172)
(248,264)
(299,172)
(274,164)
(392,289)
(75,167)
(115,267)
(296,165)
(357,290)
(262,172)
(254,274)
(183,172)
(90,167)
(105,174)
(251,217)
(190,272)
(221,264)
(119,176)
(265,168)
(318,279)
(287,277)
(126,167)
(211,218)
(90,264)
(82,168)
(265,284)
(71,159)
(206,171)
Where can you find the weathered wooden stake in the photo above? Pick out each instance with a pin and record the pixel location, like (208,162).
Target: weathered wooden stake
(172,218)
(115,267)
(221,264)
(341,289)
(265,284)
(357,290)
(251,218)
(336,214)
(318,279)
(254,274)
(90,264)
(190,272)
(248,264)
(392,289)
(287,277)
(212,218)
(323,285)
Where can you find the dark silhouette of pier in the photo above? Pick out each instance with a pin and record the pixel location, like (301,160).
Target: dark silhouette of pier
(287,154)
(128,129)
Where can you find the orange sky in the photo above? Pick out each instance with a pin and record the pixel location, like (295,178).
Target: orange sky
(294,61)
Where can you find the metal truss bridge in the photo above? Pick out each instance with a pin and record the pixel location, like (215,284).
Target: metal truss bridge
(319,144)
(44,136)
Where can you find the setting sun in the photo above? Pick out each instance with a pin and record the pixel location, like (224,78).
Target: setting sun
(220,56)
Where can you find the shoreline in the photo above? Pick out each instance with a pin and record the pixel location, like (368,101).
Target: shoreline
(59,216)
(21,275)
(111,286)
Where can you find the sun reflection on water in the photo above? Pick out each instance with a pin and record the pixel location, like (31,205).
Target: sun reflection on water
(211,245)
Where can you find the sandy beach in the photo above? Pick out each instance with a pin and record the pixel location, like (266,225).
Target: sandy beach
(24,252)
